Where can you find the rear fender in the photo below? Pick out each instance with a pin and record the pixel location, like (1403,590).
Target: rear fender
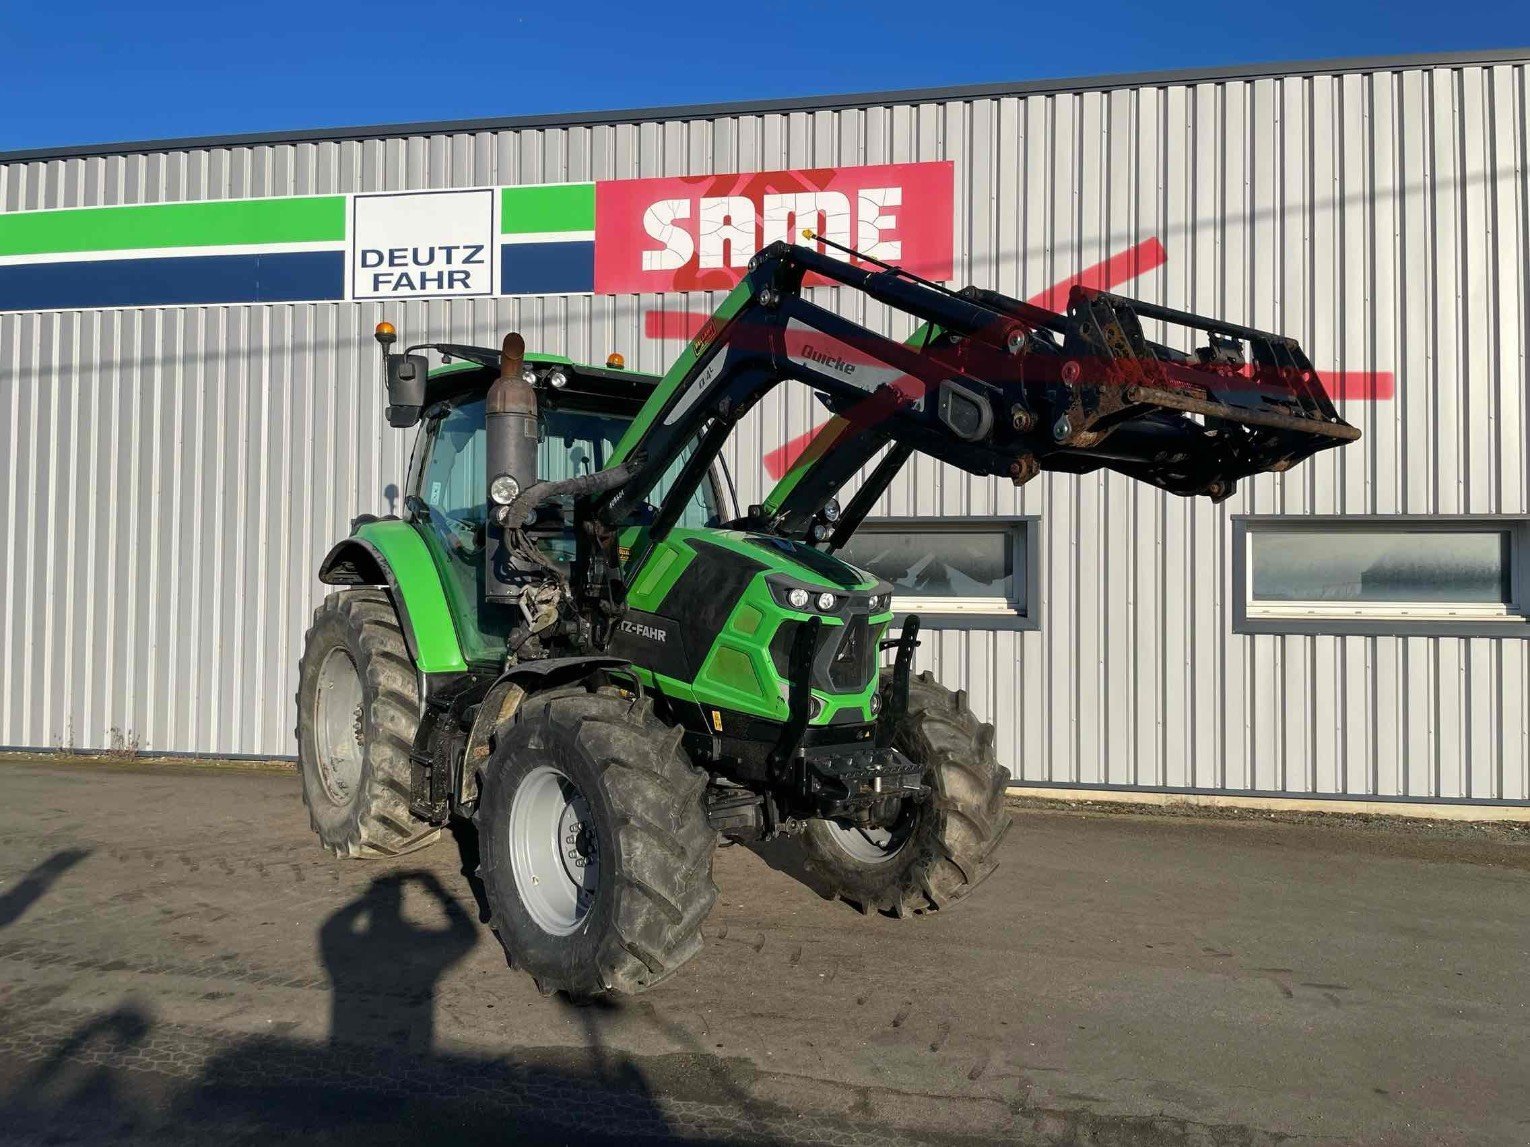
(392,554)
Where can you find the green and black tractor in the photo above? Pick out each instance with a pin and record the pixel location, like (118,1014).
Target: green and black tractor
(573,638)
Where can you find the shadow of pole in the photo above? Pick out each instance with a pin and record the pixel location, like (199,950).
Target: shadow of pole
(35,884)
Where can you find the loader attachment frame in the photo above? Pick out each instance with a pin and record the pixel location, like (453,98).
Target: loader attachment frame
(988,383)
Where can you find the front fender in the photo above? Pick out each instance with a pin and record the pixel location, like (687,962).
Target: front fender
(505,696)
(392,554)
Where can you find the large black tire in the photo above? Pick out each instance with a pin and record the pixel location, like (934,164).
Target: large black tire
(944,847)
(639,842)
(356,670)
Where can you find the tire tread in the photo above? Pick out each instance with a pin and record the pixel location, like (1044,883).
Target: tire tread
(379,824)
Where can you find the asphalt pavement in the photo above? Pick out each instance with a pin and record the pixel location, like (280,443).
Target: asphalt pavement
(181,962)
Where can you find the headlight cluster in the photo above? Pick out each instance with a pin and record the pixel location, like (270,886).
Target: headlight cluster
(557,377)
(823,522)
(796,597)
(806,599)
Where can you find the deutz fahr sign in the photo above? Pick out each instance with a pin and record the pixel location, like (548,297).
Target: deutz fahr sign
(428,244)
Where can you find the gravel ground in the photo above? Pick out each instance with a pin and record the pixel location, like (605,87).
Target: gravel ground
(180,962)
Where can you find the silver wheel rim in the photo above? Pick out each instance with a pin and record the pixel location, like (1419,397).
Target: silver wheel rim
(554,854)
(872,845)
(339,726)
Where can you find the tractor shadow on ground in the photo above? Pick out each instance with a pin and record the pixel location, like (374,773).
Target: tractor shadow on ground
(465,835)
(121,1076)
(787,856)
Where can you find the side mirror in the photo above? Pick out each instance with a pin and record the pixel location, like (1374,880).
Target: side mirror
(406,388)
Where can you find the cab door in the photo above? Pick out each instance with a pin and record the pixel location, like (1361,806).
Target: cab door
(447,506)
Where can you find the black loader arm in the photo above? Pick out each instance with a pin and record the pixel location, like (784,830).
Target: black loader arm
(989,384)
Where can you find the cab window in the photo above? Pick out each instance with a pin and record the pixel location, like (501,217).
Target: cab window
(572,443)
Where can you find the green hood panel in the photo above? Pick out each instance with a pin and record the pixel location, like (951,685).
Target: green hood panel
(656,571)
(707,629)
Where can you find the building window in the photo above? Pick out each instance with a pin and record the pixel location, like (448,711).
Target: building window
(1461,576)
(976,568)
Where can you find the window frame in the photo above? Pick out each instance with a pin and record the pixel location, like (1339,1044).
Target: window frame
(1386,619)
(972,613)
(724,495)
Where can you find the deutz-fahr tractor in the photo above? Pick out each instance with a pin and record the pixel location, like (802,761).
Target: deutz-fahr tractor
(574,639)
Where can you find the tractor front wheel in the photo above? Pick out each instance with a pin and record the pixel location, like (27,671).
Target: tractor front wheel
(358,707)
(596,849)
(936,851)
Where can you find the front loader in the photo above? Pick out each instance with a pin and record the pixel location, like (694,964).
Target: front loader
(574,639)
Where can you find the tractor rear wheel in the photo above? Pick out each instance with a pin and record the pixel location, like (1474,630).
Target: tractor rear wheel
(358,707)
(937,851)
(596,849)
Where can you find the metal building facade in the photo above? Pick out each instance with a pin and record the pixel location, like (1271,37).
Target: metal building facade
(173,476)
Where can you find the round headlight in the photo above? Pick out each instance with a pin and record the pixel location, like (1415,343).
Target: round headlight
(876,704)
(528,376)
(797,598)
(818,532)
(830,510)
(557,379)
(826,602)
(503,489)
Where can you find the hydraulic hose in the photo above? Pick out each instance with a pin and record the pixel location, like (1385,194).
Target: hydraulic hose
(519,510)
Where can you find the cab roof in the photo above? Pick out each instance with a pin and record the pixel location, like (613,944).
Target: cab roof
(597,388)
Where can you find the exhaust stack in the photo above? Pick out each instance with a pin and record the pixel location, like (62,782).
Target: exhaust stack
(510,461)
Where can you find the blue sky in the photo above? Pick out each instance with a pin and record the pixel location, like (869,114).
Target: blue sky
(98,72)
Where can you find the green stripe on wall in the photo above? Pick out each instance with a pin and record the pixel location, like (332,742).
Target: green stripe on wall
(553,207)
(311,219)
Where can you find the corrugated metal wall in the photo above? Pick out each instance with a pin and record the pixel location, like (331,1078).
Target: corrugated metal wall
(173,476)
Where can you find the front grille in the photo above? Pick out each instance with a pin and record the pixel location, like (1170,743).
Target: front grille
(854,659)
(846,659)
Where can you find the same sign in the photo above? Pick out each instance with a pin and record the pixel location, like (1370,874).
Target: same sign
(698,233)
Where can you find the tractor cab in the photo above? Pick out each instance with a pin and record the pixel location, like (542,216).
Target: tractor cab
(583,412)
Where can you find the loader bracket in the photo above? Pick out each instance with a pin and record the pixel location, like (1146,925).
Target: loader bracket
(896,704)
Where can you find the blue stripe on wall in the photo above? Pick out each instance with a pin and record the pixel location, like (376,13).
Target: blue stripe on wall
(547,268)
(191,279)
